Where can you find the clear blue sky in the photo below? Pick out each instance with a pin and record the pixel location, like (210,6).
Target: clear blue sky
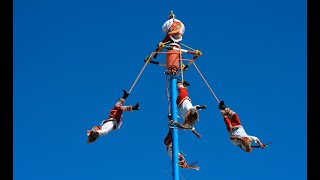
(72,58)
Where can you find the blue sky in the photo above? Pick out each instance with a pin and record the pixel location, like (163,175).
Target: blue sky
(72,58)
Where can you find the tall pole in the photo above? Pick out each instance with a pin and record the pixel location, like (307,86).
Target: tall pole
(174,131)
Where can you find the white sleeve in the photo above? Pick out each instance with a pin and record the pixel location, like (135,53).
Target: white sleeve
(166,26)
(254,139)
(182,29)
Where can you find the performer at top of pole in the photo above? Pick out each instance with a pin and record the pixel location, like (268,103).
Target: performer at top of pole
(174,29)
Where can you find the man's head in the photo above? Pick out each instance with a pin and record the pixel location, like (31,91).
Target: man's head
(248,149)
(191,119)
(246,141)
(92,134)
(243,142)
(244,147)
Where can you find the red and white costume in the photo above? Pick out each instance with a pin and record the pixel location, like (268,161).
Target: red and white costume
(235,128)
(168,142)
(174,29)
(188,112)
(114,121)
(182,161)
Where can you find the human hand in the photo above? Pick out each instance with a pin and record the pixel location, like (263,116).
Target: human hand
(263,146)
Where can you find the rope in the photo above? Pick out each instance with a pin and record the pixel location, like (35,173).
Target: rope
(168,98)
(181,65)
(184,155)
(206,82)
(141,71)
(161,52)
(168,167)
(181,176)
(166,42)
(187,46)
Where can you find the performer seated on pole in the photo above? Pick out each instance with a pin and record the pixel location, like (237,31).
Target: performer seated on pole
(238,135)
(114,121)
(174,30)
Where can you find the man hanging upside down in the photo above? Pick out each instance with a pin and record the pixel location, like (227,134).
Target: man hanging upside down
(238,135)
(182,161)
(188,112)
(190,116)
(114,121)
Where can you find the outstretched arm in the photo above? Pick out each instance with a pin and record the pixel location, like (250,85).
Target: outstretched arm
(257,140)
(196,133)
(260,146)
